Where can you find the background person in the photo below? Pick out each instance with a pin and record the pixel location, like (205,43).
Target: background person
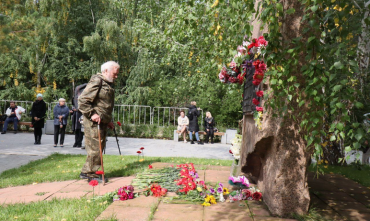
(209,124)
(14,114)
(61,112)
(96,104)
(76,127)
(193,115)
(183,122)
(38,112)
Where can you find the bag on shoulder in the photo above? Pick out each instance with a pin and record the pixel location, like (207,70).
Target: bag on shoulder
(79,89)
(190,115)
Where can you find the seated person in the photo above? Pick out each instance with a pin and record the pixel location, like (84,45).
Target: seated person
(14,115)
(183,122)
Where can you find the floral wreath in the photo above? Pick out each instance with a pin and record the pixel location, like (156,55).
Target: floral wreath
(248,60)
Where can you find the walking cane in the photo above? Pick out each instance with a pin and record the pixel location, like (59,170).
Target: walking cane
(101,155)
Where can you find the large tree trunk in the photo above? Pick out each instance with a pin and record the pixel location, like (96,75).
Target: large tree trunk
(276,157)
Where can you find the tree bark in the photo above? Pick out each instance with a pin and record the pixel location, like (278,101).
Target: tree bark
(276,158)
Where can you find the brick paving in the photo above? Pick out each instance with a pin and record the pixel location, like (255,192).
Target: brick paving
(334,197)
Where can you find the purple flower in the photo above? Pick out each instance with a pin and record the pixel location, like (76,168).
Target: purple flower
(201,194)
(212,190)
(247,64)
(131,195)
(196,176)
(220,184)
(219,190)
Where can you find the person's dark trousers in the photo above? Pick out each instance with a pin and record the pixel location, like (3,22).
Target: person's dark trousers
(11,119)
(210,133)
(57,131)
(79,135)
(38,133)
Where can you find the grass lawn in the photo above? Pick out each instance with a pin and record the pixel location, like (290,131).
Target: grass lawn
(360,174)
(56,209)
(61,167)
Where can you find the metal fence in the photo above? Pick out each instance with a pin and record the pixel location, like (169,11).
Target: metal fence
(126,114)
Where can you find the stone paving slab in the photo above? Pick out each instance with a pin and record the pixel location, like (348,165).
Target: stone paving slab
(227,212)
(178,212)
(137,209)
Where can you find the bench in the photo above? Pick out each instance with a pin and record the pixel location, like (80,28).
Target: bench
(223,138)
(19,124)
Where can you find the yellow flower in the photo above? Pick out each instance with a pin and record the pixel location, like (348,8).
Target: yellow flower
(212,200)
(206,204)
(141,160)
(326,162)
(214,4)
(207,199)
(325,167)
(225,191)
(199,189)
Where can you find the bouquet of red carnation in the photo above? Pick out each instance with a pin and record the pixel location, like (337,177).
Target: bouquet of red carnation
(155,190)
(124,193)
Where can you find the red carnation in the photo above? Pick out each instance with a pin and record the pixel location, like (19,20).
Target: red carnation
(139,152)
(256,82)
(261,67)
(261,41)
(257,196)
(232,80)
(258,76)
(99,172)
(259,93)
(119,123)
(259,108)
(230,152)
(248,193)
(256,64)
(93,183)
(142,148)
(150,167)
(255,101)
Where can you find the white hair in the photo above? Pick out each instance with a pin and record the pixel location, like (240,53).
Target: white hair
(62,99)
(108,66)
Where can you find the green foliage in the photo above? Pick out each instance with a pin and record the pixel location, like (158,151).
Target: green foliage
(319,72)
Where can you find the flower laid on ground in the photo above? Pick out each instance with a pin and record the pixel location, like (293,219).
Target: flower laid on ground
(119,123)
(242,180)
(257,196)
(124,193)
(225,191)
(150,166)
(208,200)
(156,190)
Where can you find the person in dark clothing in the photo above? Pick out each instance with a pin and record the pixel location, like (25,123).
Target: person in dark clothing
(209,124)
(193,114)
(76,127)
(38,112)
(61,112)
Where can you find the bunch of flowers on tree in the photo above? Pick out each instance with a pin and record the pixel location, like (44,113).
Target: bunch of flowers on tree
(236,143)
(124,193)
(247,62)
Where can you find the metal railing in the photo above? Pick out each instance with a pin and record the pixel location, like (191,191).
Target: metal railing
(126,114)
(132,114)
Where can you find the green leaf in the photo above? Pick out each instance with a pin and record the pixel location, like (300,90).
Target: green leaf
(347,148)
(338,65)
(337,88)
(357,145)
(314,8)
(311,38)
(290,11)
(279,7)
(333,138)
(290,51)
(273,81)
(359,105)
(340,126)
(340,105)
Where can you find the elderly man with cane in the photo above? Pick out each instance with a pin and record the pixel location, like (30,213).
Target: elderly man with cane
(96,104)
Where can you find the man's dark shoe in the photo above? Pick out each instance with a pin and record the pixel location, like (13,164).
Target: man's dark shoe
(79,145)
(98,179)
(75,145)
(4,132)
(200,143)
(82,148)
(83,176)
(192,142)
(15,132)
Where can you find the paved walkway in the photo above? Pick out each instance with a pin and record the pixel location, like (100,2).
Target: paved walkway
(333,196)
(18,149)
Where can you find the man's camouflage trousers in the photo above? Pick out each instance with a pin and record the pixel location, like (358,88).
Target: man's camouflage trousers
(92,146)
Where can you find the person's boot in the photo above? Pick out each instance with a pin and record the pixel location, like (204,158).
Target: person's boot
(39,139)
(83,176)
(4,132)
(207,139)
(36,140)
(200,142)
(192,142)
(74,145)
(211,140)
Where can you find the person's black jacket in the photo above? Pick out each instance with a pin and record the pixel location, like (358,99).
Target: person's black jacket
(193,115)
(38,110)
(76,125)
(209,123)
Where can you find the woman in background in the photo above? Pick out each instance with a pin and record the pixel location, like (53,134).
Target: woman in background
(209,124)
(38,112)
(183,122)
(61,112)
